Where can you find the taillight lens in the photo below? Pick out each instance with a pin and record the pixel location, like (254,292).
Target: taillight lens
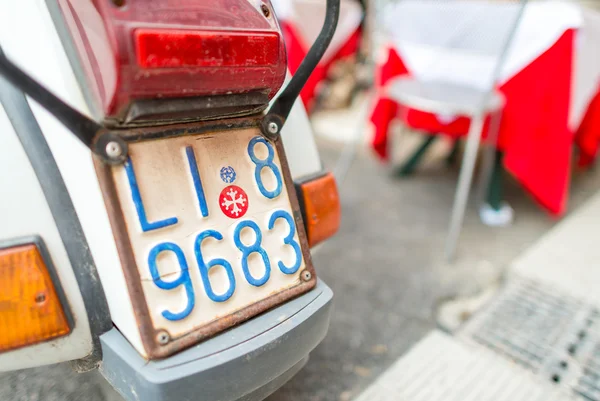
(156,49)
(30,308)
(180,49)
(320,203)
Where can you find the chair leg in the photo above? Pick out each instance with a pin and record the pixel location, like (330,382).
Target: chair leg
(464,184)
(411,164)
(490,160)
(495,189)
(453,155)
(493,212)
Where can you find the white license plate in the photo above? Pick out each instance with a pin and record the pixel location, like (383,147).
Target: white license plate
(214,230)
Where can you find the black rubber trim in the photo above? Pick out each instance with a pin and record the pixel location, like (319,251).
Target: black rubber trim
(282,105)
(29,133)
(41,246)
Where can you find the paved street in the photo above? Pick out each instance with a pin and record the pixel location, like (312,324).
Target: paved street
(387,272)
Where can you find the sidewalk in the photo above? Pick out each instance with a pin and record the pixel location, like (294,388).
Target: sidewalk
(538,339)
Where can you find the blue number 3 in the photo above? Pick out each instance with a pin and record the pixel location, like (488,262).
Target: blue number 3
(289,240)
(260,164)
(184,278)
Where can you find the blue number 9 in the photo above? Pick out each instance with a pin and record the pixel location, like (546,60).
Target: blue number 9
(205,268)
(260,164)
(248,250)
(184,278)
(289,240)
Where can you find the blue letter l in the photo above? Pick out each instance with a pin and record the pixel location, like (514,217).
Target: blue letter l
(139,206)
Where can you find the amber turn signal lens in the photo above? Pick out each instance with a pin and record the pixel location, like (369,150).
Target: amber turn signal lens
(321,203)
(30,309)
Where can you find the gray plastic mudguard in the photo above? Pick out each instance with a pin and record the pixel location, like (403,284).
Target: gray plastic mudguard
(246,363)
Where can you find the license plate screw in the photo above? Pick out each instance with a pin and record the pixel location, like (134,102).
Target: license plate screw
(306,275)
(270,126)
(113,149)
(273,128)
(163,338)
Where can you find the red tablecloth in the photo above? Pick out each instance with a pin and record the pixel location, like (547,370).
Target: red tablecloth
(534,132)
(587,136)
(296,51)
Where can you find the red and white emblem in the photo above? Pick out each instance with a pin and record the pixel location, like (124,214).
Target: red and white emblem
(233,201)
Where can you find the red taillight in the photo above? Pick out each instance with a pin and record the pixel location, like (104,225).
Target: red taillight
(156,49)
(172,49)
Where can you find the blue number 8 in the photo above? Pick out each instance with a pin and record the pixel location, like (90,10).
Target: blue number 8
(205,268)
(247,250)
(184,278)
(260,164)
(289,240)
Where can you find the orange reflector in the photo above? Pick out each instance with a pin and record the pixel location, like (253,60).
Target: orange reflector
(30,309)
(321,203)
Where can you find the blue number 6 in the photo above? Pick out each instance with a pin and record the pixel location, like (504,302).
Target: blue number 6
(260,164)
(205,268)
(289,240)
(248,250)
(184,278)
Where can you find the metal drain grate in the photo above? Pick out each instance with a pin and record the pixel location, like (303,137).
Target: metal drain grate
(524,323)
(588,385)
(552,334)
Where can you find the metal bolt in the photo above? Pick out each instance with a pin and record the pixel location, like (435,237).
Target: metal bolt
(265,10)
(163,338)
(306,275)
(113,150)
(40,297)
(273,127)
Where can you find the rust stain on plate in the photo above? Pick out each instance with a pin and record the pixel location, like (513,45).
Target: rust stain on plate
(166,167)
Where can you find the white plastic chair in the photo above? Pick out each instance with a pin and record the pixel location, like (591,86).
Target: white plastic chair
(460,28)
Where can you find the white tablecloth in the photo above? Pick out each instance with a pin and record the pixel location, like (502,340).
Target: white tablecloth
(460,41)
(586,77)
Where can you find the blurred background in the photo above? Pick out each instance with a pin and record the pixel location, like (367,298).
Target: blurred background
(460,132)
(391,110)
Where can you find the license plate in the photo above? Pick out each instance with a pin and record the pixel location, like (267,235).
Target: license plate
(209,233)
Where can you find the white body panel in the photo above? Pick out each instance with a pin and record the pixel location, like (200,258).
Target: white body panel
(299,143)
(39,52)
(29,38)
(25,212)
